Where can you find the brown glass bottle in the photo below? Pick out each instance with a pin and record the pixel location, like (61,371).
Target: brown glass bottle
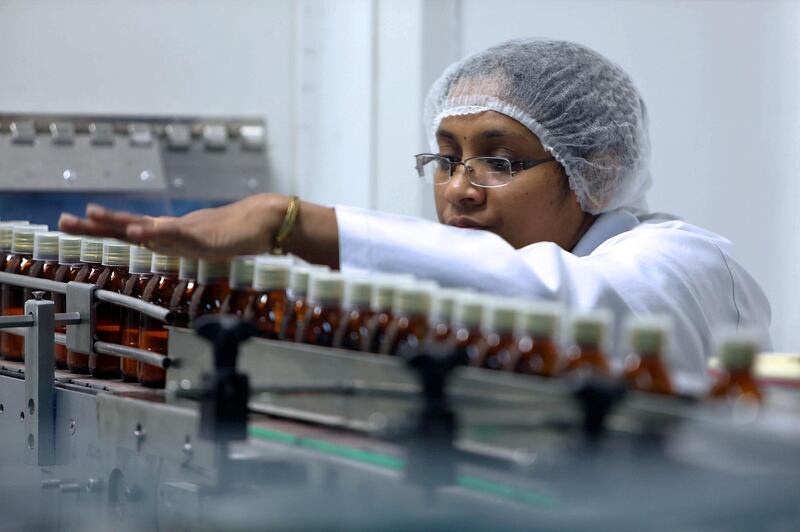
(536,352)
(383,295)
(354,327)
(736,380)
(586,355)
(411,322)
(184,290)
(91,259)
(467,333)
(45,260)
(6,239)
(294,313)
(108,317)
(13,297)
(212,288)
(499,338)
(154,335)
(324,315)
(140,275)
(269,303)
(441,330)
(69,264)
(644,367)
(241,290)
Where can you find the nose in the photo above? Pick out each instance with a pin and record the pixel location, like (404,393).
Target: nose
(460,192)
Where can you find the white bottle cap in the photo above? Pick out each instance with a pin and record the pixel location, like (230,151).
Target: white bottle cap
(116,253)
(416,298)
(165,264)
(141,259)
(91,250)
(444,302)
(7,233)
(648,335)
(385,287)
(242,271)
(468,311)
(187,269)
(358,292)
(738,348)
(272,274)
(541,319)
(325,287)
(69,249)
(500,316)
(45,245)
(592,327)
(23,237)
(298,279)
(212,270)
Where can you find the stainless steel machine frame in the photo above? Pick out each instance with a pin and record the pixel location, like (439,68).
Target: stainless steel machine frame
(331,443)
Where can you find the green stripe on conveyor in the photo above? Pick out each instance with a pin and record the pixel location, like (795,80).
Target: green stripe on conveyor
(367,457)
(503,491)
(469,482)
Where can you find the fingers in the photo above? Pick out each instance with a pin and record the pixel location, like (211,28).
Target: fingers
(101,215)
(74,225)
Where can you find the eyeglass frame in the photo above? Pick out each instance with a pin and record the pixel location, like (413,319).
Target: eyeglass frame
(526,165)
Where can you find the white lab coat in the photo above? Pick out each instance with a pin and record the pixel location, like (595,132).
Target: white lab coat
(650,264)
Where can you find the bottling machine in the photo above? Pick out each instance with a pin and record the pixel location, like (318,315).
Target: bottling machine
(258,434)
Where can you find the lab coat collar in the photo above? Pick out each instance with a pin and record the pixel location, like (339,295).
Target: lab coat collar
(607,225)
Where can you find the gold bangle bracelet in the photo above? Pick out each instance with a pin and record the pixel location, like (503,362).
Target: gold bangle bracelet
(286,227)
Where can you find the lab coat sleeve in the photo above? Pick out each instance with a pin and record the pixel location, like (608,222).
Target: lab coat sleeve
(664,269)
(376,241)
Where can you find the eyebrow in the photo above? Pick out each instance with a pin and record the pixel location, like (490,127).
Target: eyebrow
(491,133)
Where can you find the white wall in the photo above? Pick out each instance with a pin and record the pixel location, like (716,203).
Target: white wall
(153,57)
(721,82)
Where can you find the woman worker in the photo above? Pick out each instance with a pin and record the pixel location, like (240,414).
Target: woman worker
(539,167)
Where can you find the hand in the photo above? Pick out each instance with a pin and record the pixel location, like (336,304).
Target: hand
(246,227)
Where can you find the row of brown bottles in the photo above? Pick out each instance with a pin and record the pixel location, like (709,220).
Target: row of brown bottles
(12,298)
(316,306)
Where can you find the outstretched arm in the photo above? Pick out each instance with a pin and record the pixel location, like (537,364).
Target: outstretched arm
(246,227)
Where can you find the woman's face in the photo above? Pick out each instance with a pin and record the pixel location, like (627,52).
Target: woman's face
(537,205)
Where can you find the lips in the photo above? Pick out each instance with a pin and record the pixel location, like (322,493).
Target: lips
(465,222)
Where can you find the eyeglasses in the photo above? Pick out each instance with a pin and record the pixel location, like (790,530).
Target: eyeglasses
(485,172)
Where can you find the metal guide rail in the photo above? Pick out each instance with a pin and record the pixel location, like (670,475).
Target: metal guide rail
(256,434)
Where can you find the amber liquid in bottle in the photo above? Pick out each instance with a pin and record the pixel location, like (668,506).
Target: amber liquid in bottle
(535,355)
(321,323)
(154,335)
(131,323)
(89,273)
(13,304)
(405,331)
(181,301)
(354,329)
(108,327)
(293,317)
(64,274)
(237,301)
(735,384)
(468,341)
(588,358)
(379,330)
(208,298)
(496,351)
(646,372)
(266,310)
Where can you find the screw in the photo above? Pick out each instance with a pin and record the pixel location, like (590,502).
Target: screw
(139,435)
(51,483)
(94,485)
(72,425)
(70,487)
(38,295)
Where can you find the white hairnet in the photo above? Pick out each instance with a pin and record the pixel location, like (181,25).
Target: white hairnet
(583,108)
